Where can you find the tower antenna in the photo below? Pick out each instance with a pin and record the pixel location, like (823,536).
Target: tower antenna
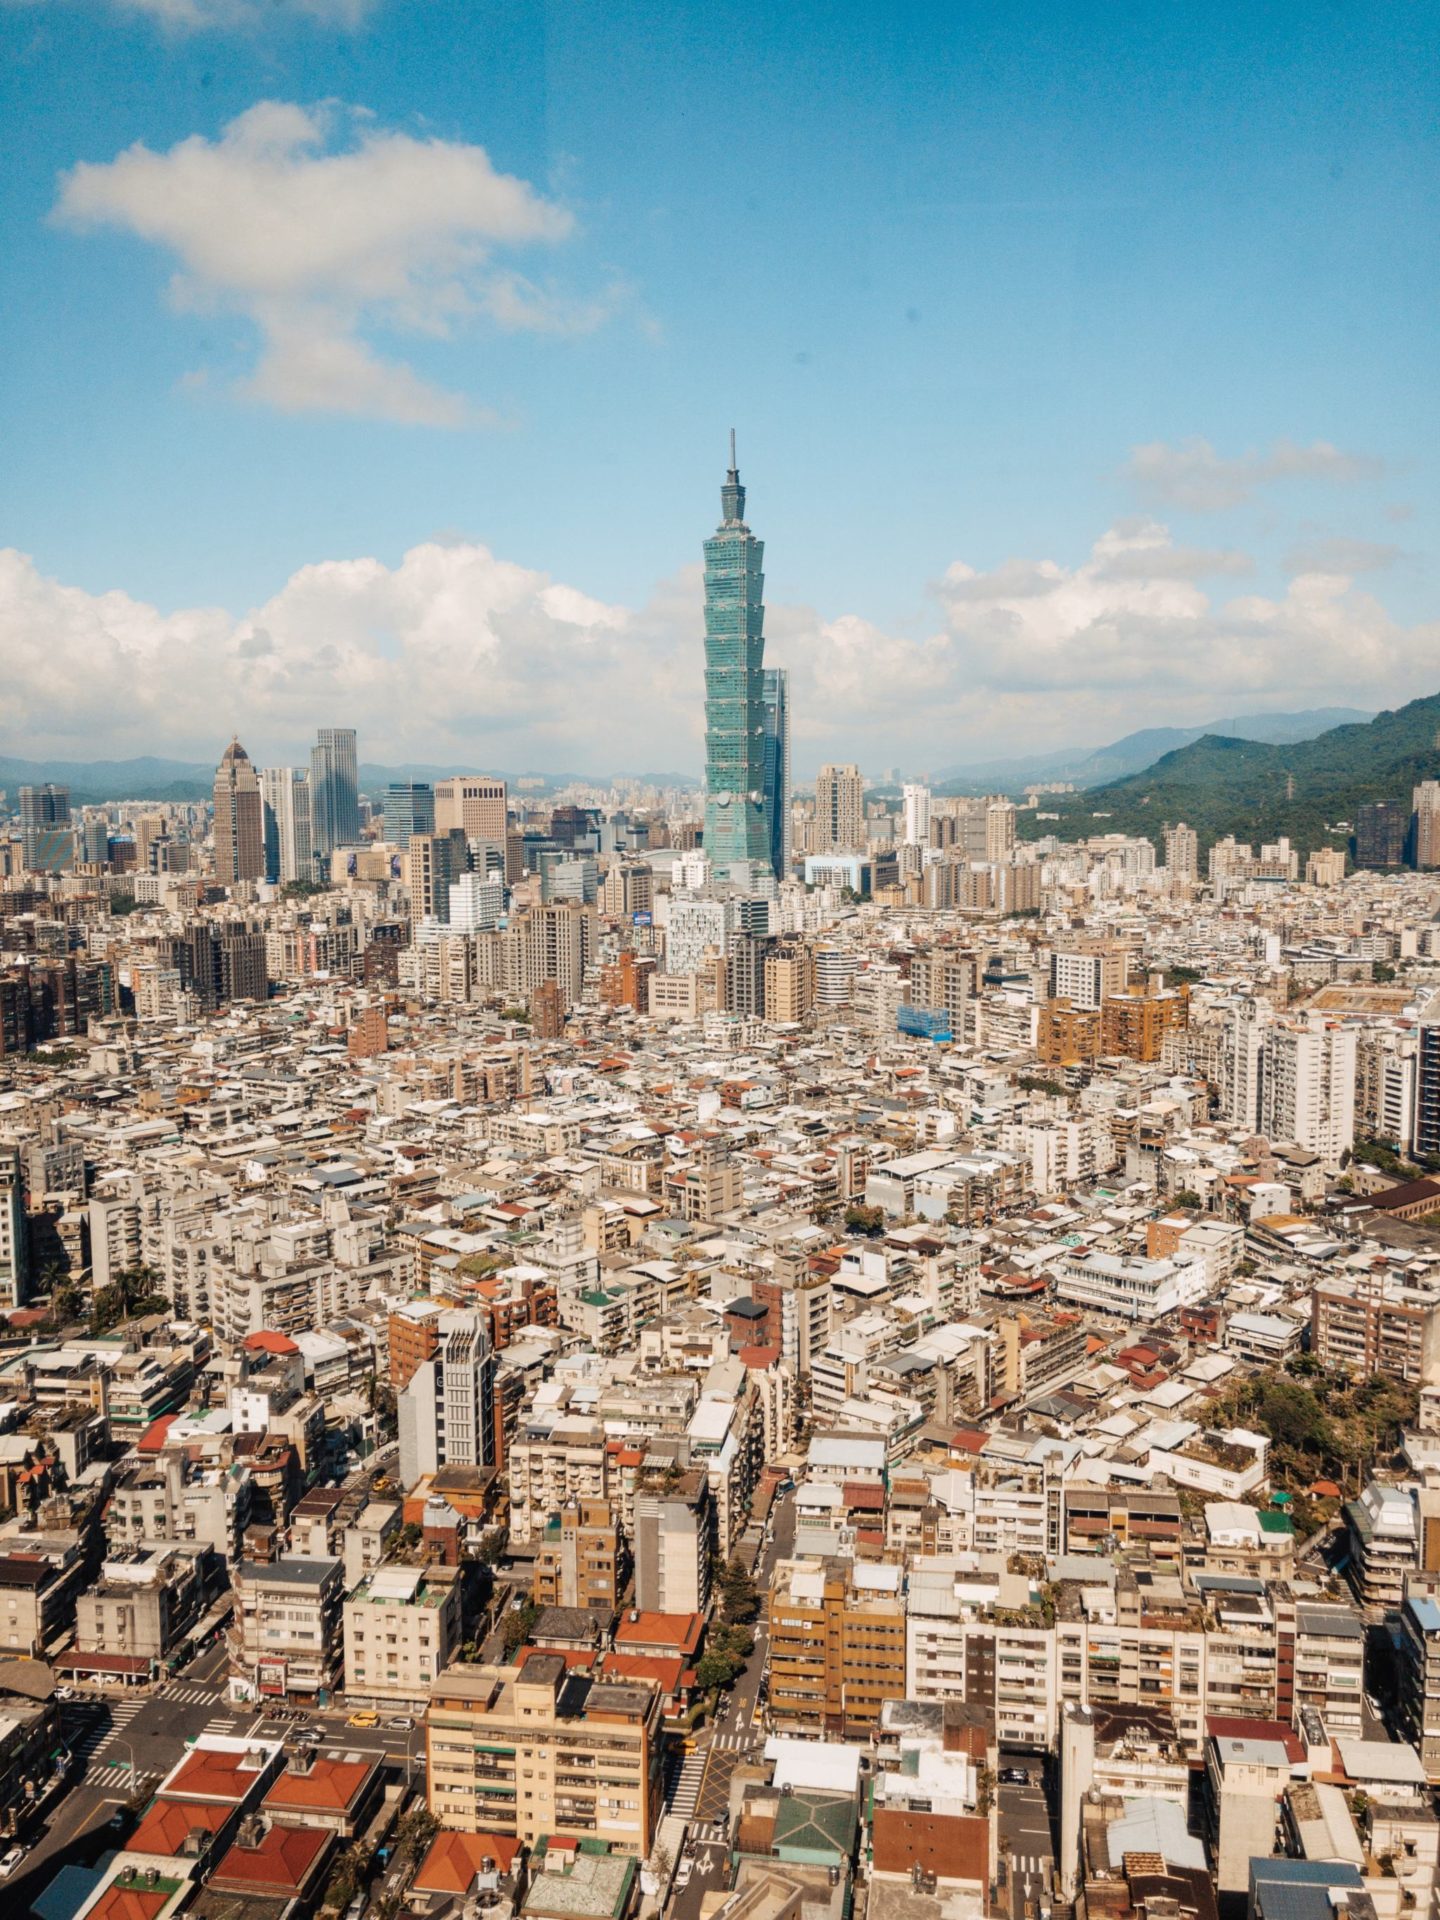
(733,468)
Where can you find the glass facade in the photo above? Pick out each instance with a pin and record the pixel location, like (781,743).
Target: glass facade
(737,825)
(776,693)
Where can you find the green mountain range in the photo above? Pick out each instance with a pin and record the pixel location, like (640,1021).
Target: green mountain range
(1309,790)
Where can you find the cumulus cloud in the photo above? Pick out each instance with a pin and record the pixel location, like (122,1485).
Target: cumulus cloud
(457,653)
(1196,477)
(323,230)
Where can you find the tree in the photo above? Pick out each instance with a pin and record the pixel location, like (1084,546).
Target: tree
(519,1624)
(715,1670)
(1187,1198)
(867,1220)
(739,1596)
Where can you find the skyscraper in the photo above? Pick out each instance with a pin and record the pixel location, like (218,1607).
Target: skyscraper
(736,828)
(776,694)
(840,810)
(46,840)
(334,789)
(239,819)
(285,792)
(917,815)
(409,809)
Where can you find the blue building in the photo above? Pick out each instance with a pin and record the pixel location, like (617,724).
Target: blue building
(736,825)
(776,693)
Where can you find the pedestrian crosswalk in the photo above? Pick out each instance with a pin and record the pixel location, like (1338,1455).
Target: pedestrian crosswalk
(686,1790)
(187,1693)
(1030,1865)
(708,1835)
(740,1741)
(100,1744)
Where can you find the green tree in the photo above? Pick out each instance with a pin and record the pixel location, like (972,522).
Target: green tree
(739,1596)
(519,1625)
(867,1220)
(715,1670)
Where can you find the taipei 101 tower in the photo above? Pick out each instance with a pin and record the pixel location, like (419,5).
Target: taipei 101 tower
(737,826)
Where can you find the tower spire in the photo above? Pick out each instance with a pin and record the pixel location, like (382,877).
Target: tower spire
(732,494)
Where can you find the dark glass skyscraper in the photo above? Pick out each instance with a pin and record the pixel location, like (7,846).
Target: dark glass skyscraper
(736,824)
(776,685)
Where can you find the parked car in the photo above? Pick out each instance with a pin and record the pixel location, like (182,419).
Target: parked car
(1014,1777)
(399,1723)
(363,1720)
(10,1861)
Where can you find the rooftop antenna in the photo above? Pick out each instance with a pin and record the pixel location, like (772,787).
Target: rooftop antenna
(732,450)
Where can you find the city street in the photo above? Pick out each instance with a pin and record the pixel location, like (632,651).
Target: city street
(1026,1843)
(125,1747)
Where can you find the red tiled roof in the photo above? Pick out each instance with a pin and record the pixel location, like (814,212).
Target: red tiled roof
(156,1434)
(210,1773)
(332,1786)
(679,1632)
(167,1822)
(129,1903)
(268,1341)
(283,1861)
(454,1859)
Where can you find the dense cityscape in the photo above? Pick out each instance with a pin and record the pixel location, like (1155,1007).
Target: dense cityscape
(594,1349)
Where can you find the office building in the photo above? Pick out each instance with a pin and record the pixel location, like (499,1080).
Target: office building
(1382,828)
(839,810)
(239,819)
(409,809)
(542,1752)
(334,790)
(434,862)
(285,800)
(46,840)
(447,1410)
(475,803)
(477,903)
(776,695)
(736,827)
(837,1646)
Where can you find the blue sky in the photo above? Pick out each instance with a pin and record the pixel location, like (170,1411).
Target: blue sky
(945,269)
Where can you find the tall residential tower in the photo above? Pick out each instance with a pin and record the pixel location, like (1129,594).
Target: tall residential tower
(736,826)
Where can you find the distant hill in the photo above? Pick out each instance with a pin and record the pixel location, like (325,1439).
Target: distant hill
(1090,766)
(1308,789)
(92,782)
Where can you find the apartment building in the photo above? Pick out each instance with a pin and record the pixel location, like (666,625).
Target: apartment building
(1374,1323)
(837,1646)
(578,1561)
(402,1628)
(555,1461)
(287,1640)
(673,1538)
(541,1751)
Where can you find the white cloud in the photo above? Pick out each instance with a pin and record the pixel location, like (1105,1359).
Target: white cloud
(1337,553)
(455,653)
(1196,477)
(323,229)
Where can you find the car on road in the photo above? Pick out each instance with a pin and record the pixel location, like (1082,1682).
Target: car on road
(363,1720)
(119,1821)
(687,1868)
(10,1861)
(399,1723)
(1013,1777)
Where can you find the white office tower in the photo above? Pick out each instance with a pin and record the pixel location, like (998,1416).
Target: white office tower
(917,816)
(285,800)
(477,903)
